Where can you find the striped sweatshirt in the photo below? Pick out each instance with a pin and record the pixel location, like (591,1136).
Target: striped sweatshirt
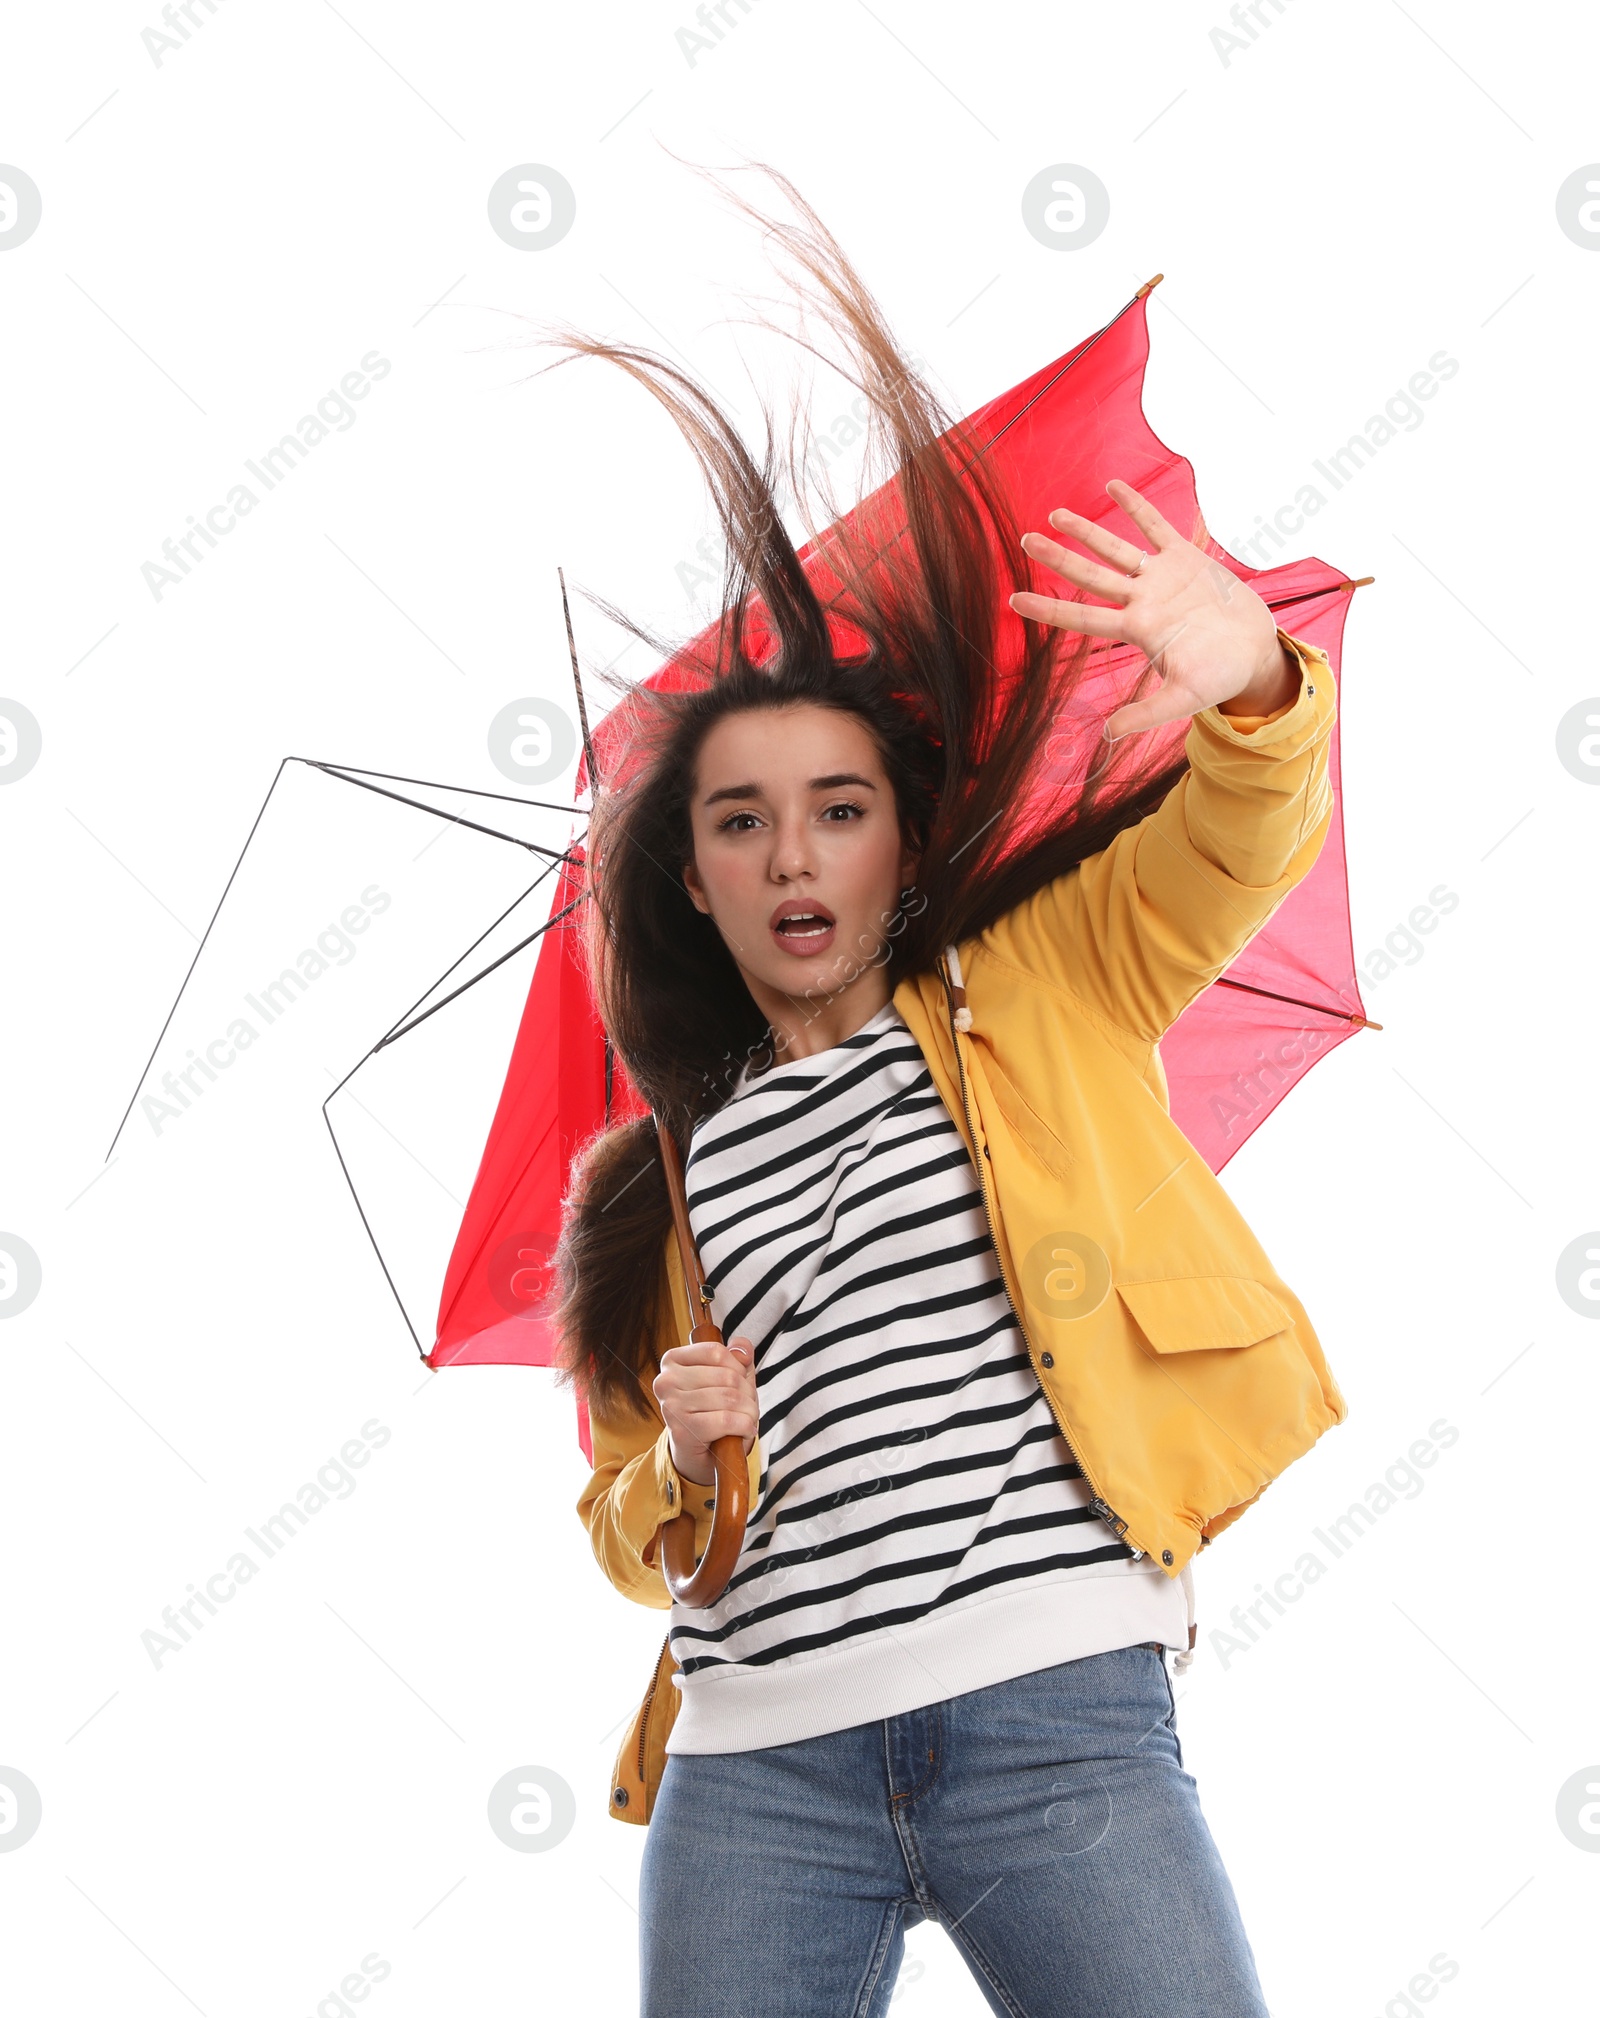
(921,1527)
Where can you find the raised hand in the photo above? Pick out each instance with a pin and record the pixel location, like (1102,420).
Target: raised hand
(1209,636)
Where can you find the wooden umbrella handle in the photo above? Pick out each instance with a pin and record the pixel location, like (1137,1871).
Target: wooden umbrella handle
(703,1583)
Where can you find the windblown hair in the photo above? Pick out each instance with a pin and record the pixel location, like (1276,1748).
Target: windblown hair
(920,578)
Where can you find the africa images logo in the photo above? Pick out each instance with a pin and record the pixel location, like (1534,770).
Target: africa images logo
(334,946)
(334,413)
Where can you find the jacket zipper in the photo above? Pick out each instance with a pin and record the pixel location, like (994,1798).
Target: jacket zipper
(1097,1503)
(645,1706)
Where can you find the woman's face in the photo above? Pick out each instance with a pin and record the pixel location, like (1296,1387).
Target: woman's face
(798,856)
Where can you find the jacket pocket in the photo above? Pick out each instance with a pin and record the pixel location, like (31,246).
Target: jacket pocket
(1026,1125)
(1204,1313)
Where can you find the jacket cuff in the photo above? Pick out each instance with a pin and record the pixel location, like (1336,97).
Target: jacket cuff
(656,1495)
(673,1494)
(669,1481)
(1297,720)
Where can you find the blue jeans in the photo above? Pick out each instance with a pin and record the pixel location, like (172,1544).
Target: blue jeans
(1046,1822)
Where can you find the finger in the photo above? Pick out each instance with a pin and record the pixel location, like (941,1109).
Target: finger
(698,1352)
(704,1431)
(1086,617)
(729,1378)
(705,1425)
(1099,581)
(1111,547)
(1141,716)
(689,1404)
(1144,515)
(702,1422)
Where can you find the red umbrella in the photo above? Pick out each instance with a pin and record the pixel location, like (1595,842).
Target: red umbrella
(1288,1000)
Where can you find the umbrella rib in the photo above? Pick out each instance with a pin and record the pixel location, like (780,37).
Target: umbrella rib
(1294,1001)
(405,1030)
(592,764)
(1087,345)
(583,711)
(350,772)
(366,1223)
(455,819)
(145,1074)
(350,1182)
(1310,595)
(344,775)
(456,962)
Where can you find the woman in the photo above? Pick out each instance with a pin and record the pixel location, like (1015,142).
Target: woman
(1002,1352)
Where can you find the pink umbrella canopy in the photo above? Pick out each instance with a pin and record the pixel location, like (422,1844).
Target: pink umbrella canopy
(1288,1000)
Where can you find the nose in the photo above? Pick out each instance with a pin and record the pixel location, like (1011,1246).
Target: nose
(791,859)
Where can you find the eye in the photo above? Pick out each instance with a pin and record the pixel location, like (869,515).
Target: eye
(848,807)
(730,826)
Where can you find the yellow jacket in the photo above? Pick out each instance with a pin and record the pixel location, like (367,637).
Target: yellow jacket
(1182,1370)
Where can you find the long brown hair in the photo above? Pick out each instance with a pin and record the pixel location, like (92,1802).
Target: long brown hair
(959,694)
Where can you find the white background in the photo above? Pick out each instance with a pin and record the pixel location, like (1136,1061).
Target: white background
(225,234)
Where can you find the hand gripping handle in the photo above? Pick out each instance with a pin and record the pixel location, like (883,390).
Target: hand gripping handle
(703,1583)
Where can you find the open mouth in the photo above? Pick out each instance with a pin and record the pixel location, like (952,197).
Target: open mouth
(802,928)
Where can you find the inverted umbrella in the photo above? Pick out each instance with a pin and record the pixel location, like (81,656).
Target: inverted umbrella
(1288,1000)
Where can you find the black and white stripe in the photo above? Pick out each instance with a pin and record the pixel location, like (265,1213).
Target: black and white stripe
(913,1471)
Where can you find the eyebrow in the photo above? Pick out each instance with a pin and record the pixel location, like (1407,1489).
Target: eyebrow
(753,791)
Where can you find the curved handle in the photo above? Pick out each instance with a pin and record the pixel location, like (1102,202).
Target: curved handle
(703,1583)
